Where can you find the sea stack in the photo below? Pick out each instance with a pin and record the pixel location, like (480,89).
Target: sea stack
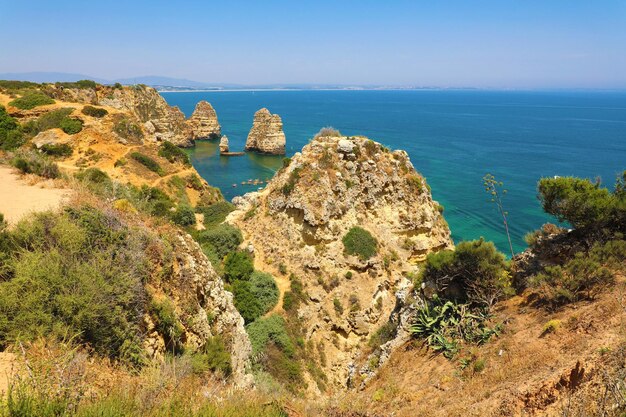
(224,144)
(203,121)
(266,135)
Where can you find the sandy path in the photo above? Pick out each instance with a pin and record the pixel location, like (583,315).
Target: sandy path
(18,198)
(7,363)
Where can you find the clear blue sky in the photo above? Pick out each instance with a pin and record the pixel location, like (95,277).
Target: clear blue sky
(499,43)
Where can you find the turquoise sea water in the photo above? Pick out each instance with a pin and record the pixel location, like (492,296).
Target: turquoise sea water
(452,137)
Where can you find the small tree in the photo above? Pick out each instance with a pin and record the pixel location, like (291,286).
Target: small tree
(494,188)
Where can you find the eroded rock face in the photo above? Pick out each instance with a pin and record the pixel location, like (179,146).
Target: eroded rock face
(199,293)
(224,144)
(266,135)
(148,105)
(204,122)
(301,217)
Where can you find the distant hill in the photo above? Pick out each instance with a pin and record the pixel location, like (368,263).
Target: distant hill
(49,77)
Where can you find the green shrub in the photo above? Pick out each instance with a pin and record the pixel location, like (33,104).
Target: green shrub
(167,324)
(214,357)
(264,288)
(30,100)
(152,200)
(174,154)
(49,120)
(148,162)
(474,272)
(93,175)
(360,242)
(81,84)
(583,204)
(338,306)
(582,277)
(18,85)
(295,296)
(246,302)
(270,330)
(11,136)
(128,130)
(80,274)
(62,149)
(223,238)
(184,215)
(237,266)
(96,112)
(34,163)
(215,213)
(71,126)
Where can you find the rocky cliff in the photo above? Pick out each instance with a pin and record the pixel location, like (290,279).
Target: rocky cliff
(224,148)
(266,135)
(204,122)
(206,309)
(298,222)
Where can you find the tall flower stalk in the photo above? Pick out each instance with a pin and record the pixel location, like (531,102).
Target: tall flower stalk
(495,190)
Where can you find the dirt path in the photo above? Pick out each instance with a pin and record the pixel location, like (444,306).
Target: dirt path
(18,198)
(7,365)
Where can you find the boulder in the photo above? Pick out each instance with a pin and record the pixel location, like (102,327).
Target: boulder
(224,144)
(203,121)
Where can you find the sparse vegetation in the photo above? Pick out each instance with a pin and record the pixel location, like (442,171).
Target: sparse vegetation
(148,162)
(361,243)
(294,176)
(326,132)
(215,213)
(128,130)
(174,154)
(29,162)
(61,149)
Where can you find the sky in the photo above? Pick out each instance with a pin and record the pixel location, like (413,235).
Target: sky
(464,43)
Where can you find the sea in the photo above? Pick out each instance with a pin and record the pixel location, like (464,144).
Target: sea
(453,137)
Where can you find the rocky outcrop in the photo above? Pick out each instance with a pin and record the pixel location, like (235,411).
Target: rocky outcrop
(205,307)
(299,220)
(203,121)
(148,105)
(266,135)
(224,144)
(50,137)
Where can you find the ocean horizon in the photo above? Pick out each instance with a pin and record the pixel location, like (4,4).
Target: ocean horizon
(453,137)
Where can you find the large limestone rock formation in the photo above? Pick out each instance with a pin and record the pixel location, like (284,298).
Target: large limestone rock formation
(299,220)
(148,105)
(204,122)
(266,135)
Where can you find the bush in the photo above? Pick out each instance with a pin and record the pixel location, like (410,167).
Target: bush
(215,213)
(50,120)
(96,112)
(184,215)
(223,238)
(580,278)
(93,175)
(167,324)
(34,163)
(238,266)
(580,202)
(474,272)
(295,296)
(128,130)
(71,126)
(152,200)
(148,162)
(289,186)
(270,330)
(360,242)
(80,274)
(246,302)
(327,131)
(62,149)
(11,136)
(264,288)
(174,154)
(385,333)
(81,84)
(30,100)
(214,357)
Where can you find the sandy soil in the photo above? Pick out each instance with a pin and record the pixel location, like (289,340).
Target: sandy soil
(7,362)
(18,198)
